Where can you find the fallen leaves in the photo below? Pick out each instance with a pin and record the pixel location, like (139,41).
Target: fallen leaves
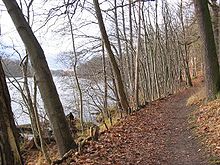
(208,125)
(143,138)
(150,136)
(135,140)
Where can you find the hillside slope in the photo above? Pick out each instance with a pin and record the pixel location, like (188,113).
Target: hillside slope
(157,134)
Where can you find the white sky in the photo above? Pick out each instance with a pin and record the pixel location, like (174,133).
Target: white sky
(51,42)
(9,36)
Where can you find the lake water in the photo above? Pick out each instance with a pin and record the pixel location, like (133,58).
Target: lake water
(68,97)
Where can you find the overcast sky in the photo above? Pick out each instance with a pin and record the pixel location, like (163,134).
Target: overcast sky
(52,43)
(10,37)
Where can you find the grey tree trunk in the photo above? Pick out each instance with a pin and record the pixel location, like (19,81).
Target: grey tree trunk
(27,94)
(121,63)
(40,132)
(215,16)
(212,75)
(9,148)
(105,102)
(120,85)
(44,79)
(29,101)
(136,84)
(185,48)
(131,45)
(127,70)
(75,69)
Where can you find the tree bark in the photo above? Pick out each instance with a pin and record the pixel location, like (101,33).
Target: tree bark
(120,85)
(136,83)
(44,79)
(127,69)
(9,148)
(75,69)
(105,102)
(215,16)
(29,101)
(185,48)
(212,75)
(39,129)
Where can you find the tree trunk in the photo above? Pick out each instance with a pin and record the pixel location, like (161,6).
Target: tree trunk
(131,44)
(136,84)
(215,16)
(127,70)
(39,129)
(75,70)
(44,79)
(29,101)
(105,102)
(9,148)
(186,59)
(121,63)
(120,85)
(212,76)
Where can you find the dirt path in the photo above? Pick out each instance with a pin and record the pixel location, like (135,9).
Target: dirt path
(182,144)
(156,135)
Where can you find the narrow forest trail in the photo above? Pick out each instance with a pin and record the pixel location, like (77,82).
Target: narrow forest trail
(181,143)
(157,134)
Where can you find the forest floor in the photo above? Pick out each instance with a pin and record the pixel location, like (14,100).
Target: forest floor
(157,134)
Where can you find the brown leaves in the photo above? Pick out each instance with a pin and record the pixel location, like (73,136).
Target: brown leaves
(153,136)
(208,122)
(136,140)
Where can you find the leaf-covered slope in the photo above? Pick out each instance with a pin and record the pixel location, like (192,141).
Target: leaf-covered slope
(158,134)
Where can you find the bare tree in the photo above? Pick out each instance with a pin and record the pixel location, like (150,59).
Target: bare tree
(138,52)
(9,147)
(212,75)
(185,47)
(44,79)
(120,85)
(215,19)
(74,63)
